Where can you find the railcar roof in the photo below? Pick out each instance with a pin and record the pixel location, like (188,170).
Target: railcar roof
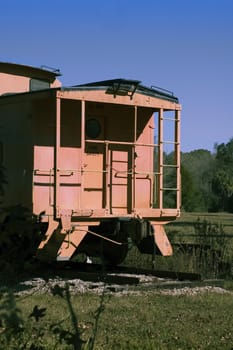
(29,71)
(125,87)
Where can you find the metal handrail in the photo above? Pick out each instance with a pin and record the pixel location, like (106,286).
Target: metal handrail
(122,143)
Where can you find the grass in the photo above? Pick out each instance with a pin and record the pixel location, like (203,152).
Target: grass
(149,321)
(211,256)
(185,224)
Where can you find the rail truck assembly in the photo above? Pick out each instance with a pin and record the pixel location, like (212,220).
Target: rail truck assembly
(89,162)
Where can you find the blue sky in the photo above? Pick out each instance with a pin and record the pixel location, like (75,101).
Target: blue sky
(182,45)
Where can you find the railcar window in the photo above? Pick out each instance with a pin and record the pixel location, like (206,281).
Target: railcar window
(93,128)
(36,84)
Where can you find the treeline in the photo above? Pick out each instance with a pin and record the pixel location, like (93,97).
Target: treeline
(207,179)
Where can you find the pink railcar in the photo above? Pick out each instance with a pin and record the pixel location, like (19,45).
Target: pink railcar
(89,161)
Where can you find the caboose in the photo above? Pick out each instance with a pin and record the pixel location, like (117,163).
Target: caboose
(89,161)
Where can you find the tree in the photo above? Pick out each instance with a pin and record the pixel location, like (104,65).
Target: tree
(199,164)
(222,183)
(188,191)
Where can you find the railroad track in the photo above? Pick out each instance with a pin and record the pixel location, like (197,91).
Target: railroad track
(82,277)
(103,271)
(129,278)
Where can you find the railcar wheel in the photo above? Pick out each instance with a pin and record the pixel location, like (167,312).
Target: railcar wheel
(114,254)
(103,246)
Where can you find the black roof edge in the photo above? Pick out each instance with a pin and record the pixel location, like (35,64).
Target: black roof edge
(109,82)
(151,91)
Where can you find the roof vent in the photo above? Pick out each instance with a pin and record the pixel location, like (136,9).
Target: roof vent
(123,87)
